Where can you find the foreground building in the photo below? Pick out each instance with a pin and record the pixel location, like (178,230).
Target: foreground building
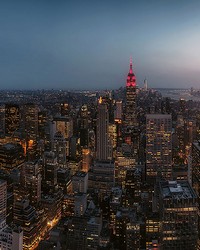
(158,146)
(178,211)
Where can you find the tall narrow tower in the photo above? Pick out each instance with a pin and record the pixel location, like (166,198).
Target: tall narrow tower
(130,112)
(3,201)
(158,146)
(103,144)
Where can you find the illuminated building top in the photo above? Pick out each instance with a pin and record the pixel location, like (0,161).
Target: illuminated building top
(131,79)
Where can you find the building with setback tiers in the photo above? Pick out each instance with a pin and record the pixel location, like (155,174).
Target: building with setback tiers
(130,112)
(104,151)
(158,146)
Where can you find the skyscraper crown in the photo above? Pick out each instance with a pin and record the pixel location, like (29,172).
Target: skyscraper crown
(131,79)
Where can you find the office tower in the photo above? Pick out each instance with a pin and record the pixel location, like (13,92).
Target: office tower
(112,132)
(12,119)
(118,111)
(80,204)
(133,186)
(73,147)
(158,146)
(44,128)
(124,160)
(127,230)
(50,167)
(130,118)
(167,105)
(101,177)
(180,130)
(104,151)
(84,116)
(52,203)
(86,159)
(59,147)
(10,237)
(64,109)
(11,156)
(63,178)
(182,106)
(32,181)
(84,231)
(189,135)
(25,216)
(3,202)
(145,85)
(80,182)
(64,125)
(84,125)
(196,166)
(178,211)
(2,120)
(30,112)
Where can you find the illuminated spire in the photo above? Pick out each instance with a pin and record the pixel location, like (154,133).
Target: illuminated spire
(131,66)
(131,79)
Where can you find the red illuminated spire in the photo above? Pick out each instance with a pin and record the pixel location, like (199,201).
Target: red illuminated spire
(131,79)
(131,66)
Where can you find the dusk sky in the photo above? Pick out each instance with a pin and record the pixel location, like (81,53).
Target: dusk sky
(87,44)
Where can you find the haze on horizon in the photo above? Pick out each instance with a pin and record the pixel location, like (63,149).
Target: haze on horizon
(87,44)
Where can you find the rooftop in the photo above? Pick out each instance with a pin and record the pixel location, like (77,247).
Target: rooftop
(177,190)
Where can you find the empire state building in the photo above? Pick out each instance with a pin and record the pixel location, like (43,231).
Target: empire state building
(130,111)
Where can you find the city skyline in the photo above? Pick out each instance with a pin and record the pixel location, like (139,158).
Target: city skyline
(87,45)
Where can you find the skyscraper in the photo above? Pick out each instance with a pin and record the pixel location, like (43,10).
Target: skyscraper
(31,121)
(3,200)
(178,212)
(12,118)
(145,85)
(130,112)
(158,145)
(32,181)
(118,111)
(103,144)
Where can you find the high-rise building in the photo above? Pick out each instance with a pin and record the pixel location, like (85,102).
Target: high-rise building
(25,216)
(50,167)
(145,85)
(10,237)
(130,112)
(31,121)
(44,128)
(84,125)
(101,177)
(158,146)
(2,120)
(32,181)
(59,147)
(178,212)
(80,182)
(12,118)
(196,166)
(104,151)
(86,159)
(64,109)
(3,202)
(64,125)
(11,156)
(118,111)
